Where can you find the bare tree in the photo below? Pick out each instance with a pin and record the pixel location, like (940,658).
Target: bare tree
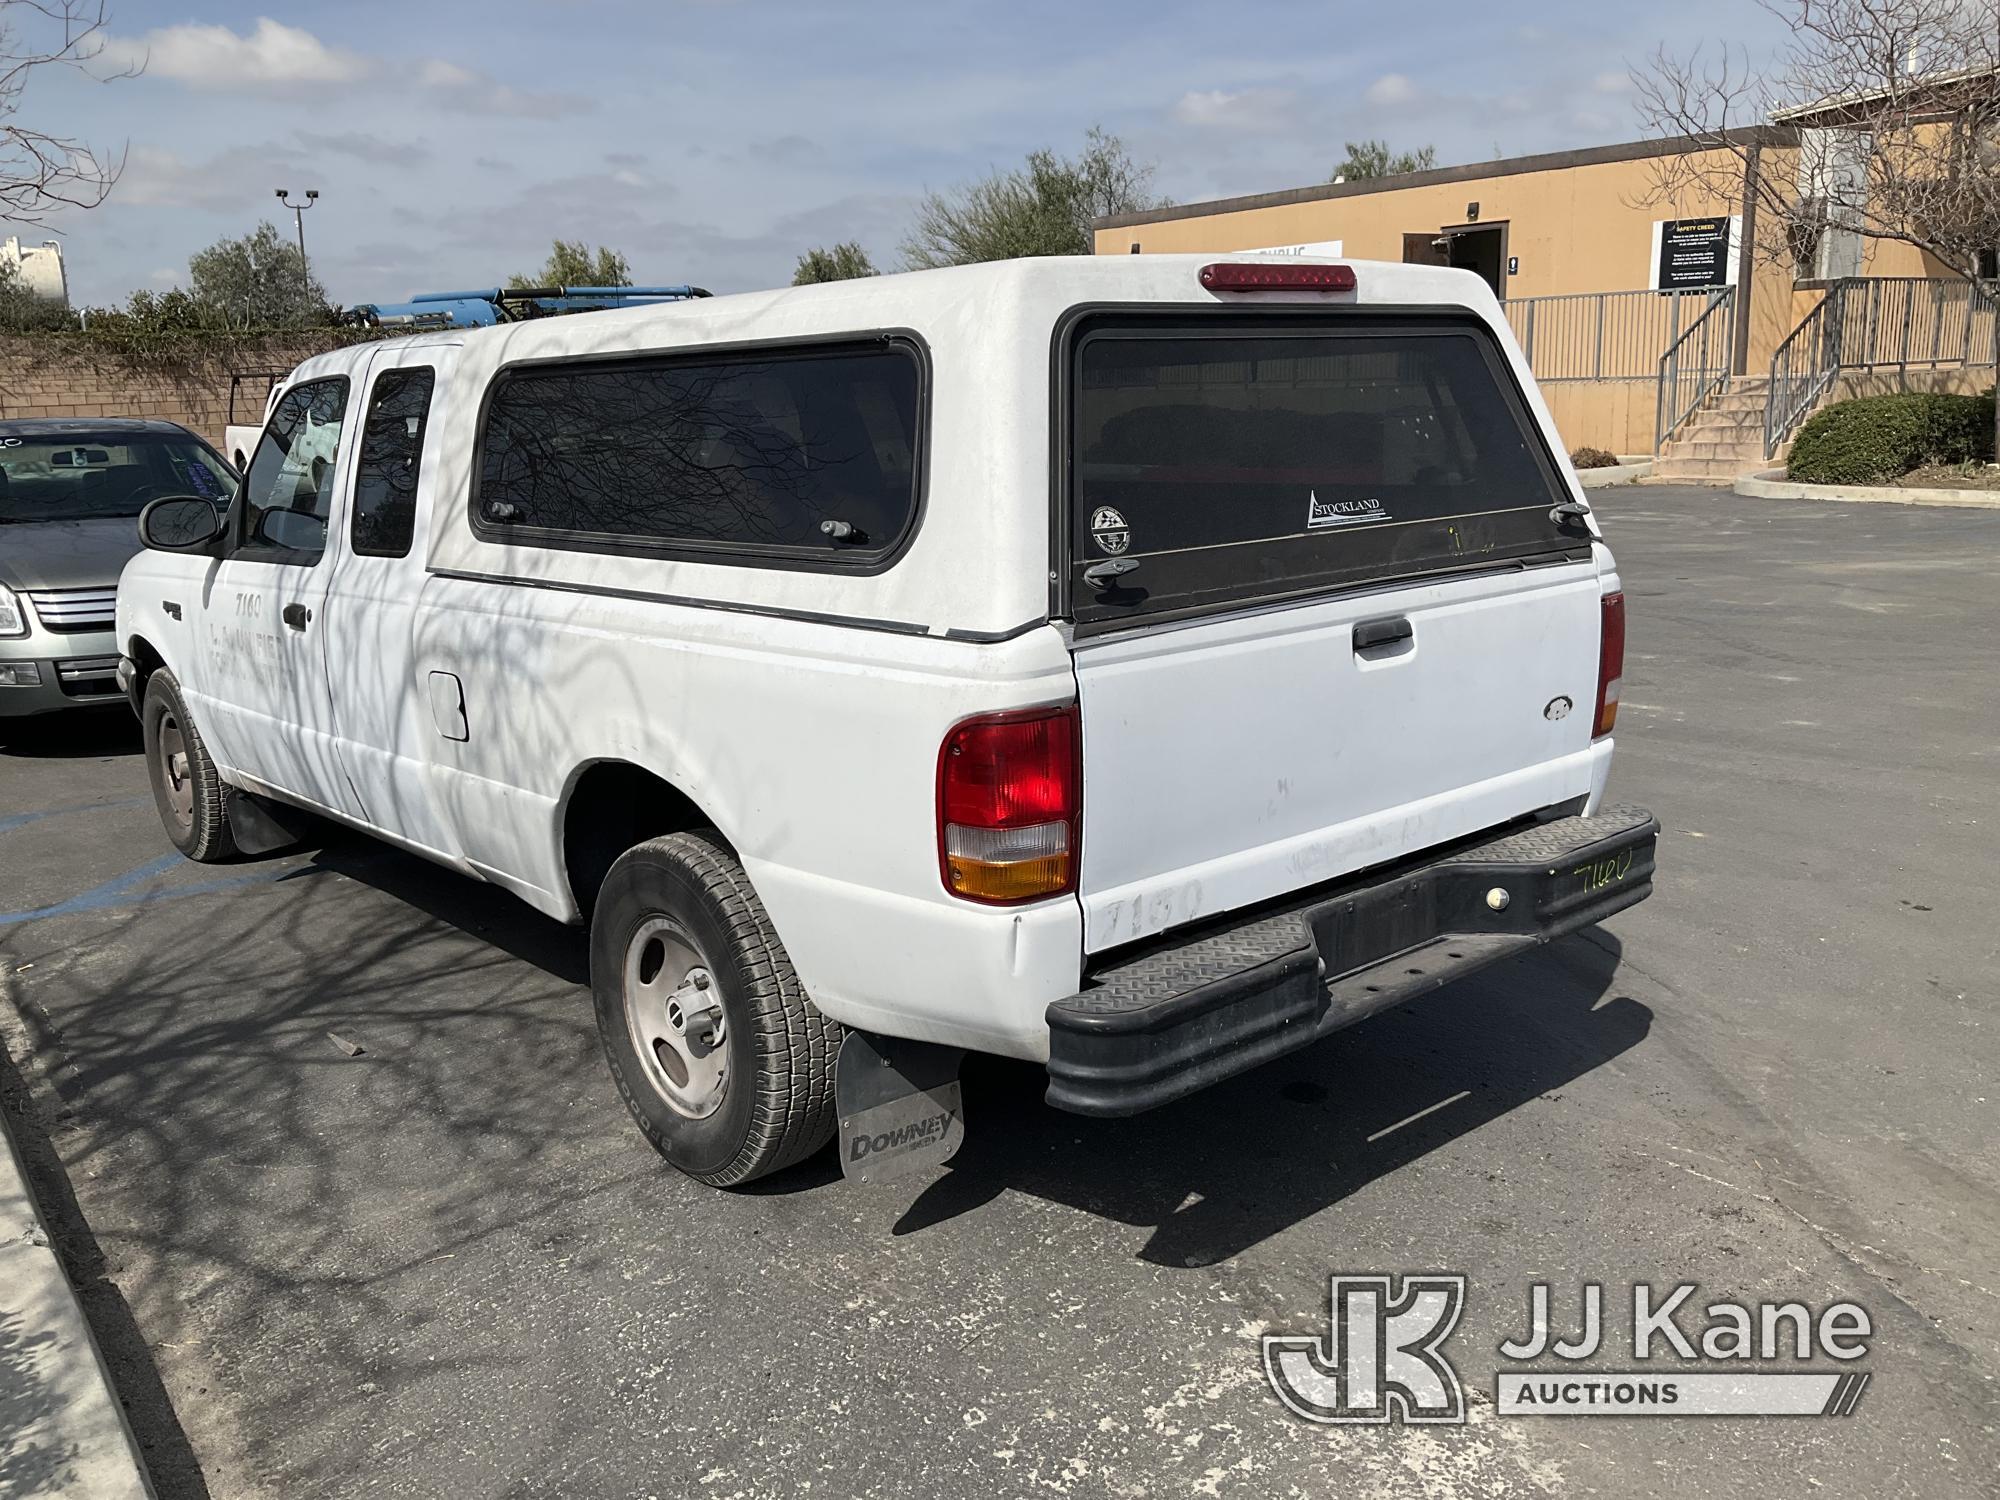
(39,171)
(1896,109)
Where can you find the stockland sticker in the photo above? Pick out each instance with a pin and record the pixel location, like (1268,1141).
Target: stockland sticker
(1322,513)
(1108,530)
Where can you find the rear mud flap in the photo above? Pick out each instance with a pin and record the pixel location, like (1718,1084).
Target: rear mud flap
(263,825)
(899,1106)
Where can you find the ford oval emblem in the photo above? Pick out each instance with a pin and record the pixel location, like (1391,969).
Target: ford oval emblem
(1557,708)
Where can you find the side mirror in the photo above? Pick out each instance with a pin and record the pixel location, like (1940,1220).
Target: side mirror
(180,523)
(293,530)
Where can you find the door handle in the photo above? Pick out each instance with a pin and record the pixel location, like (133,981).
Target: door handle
(297,616)
(1372,634)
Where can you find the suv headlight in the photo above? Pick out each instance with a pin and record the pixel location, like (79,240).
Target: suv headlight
(13,613)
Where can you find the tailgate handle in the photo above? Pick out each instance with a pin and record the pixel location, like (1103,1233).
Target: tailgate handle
(1370,634)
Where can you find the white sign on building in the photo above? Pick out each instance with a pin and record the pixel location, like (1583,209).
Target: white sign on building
(1311,247)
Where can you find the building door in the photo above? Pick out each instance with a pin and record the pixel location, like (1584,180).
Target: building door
(1478,248)
(1481,250)
(1424,250)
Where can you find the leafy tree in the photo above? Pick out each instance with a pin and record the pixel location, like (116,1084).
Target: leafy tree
(1043,207)
(1367,160)
(258,281)
(574,263)
(844,262)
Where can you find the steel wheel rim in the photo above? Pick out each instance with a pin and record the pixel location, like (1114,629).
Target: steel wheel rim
(673,1013)
(174,770)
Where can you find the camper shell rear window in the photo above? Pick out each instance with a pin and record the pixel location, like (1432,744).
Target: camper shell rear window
(1227,459)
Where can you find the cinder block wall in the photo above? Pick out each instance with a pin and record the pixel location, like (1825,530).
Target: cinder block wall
(53,376)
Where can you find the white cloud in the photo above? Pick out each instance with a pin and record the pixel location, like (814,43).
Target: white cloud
(1246,109)
(1391,88)
(1611,83)
(272,55)
(214,57)
(473,93)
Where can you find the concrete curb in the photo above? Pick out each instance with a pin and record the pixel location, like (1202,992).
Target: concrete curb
(1771,484)
(1628,471)
(66,1434)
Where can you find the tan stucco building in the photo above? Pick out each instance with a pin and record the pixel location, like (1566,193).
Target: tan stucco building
(1637,218)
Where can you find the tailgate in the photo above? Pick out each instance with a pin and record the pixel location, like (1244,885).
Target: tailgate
(1342,625)
(1233,761)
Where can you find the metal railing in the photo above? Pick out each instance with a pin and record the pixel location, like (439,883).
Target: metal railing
(1874,323)
(1696,365)
(1602,335)
(1804,365)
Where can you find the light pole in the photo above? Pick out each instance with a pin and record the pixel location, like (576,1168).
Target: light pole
(299,218)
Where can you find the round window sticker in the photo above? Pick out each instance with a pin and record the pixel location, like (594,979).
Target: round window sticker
(1107,529)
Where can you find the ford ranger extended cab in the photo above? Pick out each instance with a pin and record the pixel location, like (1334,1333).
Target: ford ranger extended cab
(1141,665)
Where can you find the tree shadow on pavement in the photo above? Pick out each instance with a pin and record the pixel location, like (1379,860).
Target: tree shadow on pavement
(1215,1174)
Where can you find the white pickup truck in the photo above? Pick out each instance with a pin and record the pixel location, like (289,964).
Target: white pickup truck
(1141,665)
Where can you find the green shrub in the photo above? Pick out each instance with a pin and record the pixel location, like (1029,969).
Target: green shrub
(1593,458)
(1879,439)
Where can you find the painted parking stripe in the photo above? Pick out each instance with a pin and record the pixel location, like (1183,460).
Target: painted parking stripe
(17,820)
(124,890)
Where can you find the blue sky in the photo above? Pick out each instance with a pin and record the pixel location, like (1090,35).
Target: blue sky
(712,141)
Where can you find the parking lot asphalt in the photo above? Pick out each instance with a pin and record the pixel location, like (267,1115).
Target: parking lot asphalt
(445,1265)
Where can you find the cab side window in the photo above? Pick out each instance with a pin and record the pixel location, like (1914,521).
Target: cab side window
(392,445)
(288,491)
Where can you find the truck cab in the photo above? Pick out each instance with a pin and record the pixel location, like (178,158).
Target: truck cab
(1143,666)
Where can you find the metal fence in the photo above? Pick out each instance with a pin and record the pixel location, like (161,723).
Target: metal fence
(1604,335)
(1876,323)
(1905,321)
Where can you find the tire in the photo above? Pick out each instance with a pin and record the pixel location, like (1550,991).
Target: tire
(187,789)
(679,941)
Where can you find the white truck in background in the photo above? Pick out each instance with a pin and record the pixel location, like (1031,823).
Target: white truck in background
(1141,665)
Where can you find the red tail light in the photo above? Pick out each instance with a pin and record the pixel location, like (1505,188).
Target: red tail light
(1010,803)
(1256,276)
(1610,663)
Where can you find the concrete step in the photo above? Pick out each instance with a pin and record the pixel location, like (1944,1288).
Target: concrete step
(1738,401)
(1730,417)
(1674,452)
(1719,437)
(1703,468)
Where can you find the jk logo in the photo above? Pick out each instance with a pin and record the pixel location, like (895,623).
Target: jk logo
(1379,1361)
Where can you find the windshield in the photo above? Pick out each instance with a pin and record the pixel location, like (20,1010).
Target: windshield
(91,477)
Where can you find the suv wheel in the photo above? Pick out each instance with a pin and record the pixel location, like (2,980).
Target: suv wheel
(717,1051)
(187,789)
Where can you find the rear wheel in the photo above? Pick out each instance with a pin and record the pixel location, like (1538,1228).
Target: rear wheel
(187,789)
(722,1059)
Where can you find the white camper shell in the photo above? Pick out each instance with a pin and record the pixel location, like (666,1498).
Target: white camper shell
(1136,665)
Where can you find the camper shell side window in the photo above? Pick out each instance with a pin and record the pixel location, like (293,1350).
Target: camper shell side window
(806,454)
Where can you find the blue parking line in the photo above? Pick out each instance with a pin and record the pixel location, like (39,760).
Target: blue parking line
(121,891)
(16,820)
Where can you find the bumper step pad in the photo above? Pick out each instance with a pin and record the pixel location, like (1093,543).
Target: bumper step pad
(1174,1019)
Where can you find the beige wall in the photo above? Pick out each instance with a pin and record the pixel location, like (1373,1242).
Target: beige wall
(1574,228)
(56,376)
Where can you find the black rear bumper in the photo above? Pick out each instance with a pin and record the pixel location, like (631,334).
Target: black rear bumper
(1176,1019)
